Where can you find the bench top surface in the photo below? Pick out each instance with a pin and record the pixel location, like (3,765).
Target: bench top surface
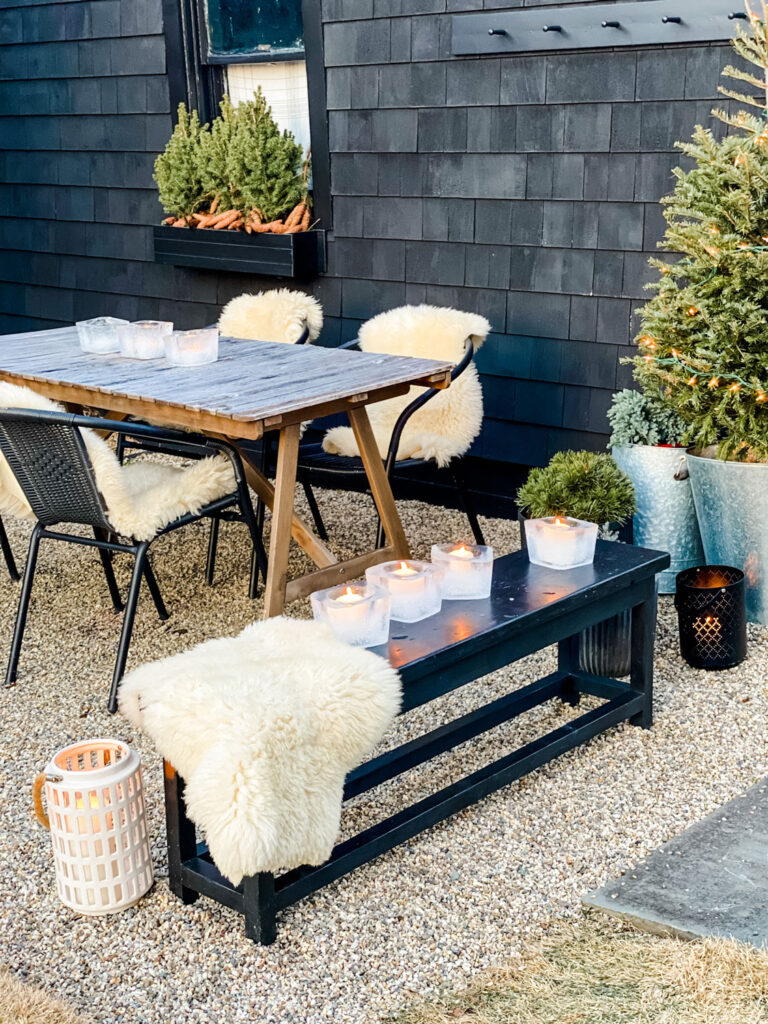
(522,596)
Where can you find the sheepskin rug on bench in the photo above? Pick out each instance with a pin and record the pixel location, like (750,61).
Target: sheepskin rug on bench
(263,728)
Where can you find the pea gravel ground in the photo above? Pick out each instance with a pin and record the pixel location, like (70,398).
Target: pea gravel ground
(462,897)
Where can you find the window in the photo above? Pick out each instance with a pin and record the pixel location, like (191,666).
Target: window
(218,47)
(265,27)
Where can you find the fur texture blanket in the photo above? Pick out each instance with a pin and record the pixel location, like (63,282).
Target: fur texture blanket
(263,728)
(142,497)
(278,315)
(448,424)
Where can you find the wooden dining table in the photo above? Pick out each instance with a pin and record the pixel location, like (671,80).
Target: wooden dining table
(254,387)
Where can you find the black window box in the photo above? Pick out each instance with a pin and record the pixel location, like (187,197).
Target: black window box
(300,256)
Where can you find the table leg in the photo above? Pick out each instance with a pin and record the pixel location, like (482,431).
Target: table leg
(379,482)
(641,678)
(310,543)
(282,520)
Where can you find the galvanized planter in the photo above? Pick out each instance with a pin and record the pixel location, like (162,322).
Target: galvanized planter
(666,516)
(731,503)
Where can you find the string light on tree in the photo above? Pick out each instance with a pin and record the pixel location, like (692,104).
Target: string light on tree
(709,300)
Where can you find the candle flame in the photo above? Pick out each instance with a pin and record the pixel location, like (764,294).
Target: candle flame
(349,596)
(462,552)
(405,570)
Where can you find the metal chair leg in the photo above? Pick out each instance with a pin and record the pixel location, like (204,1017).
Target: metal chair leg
(154,590)
(5,546)
(109,572)
(21,614)
(213,546)
(258,553)
(130,614)
(466,500)
(120,448)
(315,510)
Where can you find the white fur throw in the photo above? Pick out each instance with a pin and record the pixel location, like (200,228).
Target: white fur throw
(263,728)
(448,424)
(278,315)
(142,497)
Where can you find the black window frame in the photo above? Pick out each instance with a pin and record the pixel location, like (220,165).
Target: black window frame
(198,78)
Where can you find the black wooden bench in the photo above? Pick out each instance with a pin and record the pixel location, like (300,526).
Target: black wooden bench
(529,608)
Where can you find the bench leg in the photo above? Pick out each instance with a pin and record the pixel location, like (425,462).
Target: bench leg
(641,678)
(182,841)
(259,907)
(568,661)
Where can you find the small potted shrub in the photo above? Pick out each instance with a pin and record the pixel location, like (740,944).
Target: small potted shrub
(703,333)
(646,444)
(588,486)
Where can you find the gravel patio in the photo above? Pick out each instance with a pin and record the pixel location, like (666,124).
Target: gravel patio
(460,898)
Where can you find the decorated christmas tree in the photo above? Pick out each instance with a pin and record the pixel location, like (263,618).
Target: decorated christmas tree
(704,334)
(179,170)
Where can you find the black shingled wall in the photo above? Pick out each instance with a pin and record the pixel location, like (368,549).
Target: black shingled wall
(523,187)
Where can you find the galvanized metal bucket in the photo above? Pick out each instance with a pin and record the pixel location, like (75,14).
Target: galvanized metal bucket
(732,505)
(666,516)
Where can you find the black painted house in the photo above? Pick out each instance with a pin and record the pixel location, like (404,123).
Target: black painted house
(522,185)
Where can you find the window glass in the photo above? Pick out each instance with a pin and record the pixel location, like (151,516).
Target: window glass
(253,26)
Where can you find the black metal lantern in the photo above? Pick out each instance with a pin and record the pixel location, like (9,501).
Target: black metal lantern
(711,616)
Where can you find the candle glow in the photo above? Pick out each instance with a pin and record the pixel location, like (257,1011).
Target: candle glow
(559,542)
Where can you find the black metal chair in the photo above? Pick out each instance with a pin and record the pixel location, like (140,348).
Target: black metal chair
(5,545)
(128,442)
(320,468)
(47,453)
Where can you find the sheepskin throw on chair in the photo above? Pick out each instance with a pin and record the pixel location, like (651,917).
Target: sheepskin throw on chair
(263,728)
(142,497)
(278,315)
(448,424)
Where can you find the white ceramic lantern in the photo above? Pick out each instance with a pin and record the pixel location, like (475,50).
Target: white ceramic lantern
(97,820)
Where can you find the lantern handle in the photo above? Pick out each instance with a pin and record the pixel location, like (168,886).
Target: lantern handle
(37,797)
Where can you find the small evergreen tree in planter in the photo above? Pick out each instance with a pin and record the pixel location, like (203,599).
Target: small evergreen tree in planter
(241,172)
(703,334)
(588,486)
(645,444)
(583,485)
(179,171)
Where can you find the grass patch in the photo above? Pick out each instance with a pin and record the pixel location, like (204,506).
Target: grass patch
(599,973)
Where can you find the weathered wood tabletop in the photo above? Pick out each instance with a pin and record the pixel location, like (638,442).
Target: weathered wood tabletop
(253,382)
(253,387)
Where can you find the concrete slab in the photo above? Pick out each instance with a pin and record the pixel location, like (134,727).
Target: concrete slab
(711,880)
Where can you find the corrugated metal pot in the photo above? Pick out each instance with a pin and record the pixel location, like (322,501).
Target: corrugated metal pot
(666,516)
(606,649)
(732,505)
